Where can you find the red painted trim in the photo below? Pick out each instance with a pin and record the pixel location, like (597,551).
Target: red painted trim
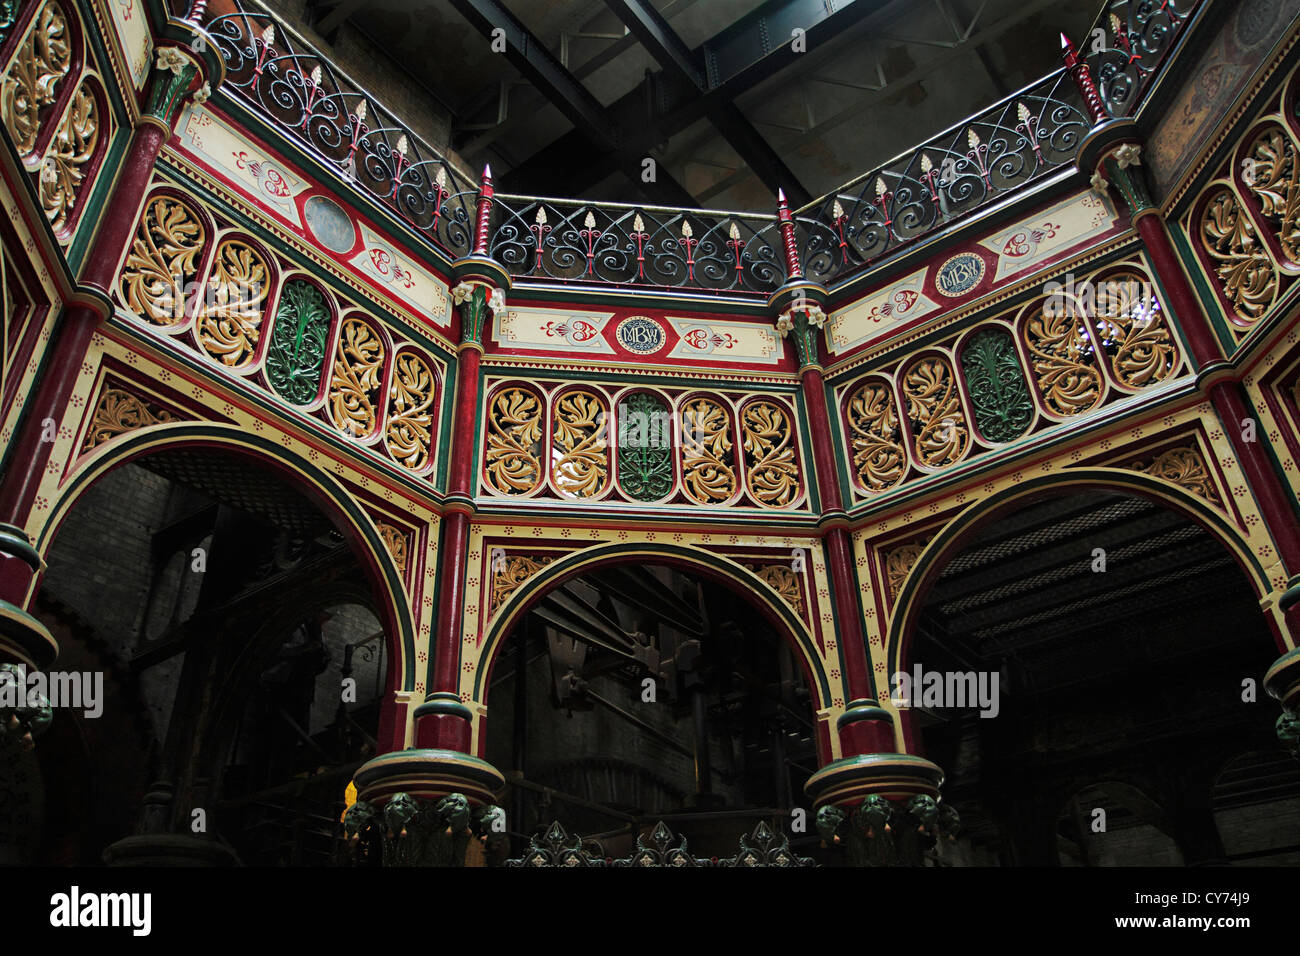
(462,450)
(853,643)
(1274,501)
(1187,309)
(451,605)
(819,422)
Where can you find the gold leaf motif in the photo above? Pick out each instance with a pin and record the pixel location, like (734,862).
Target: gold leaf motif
(162,257)
(62,173)
(395,542)
(579,458)
(511,572)
(1144,351)
(33,79)
(118,412)
(938,423)
(784,582)
(408,435)
(878,452)
(354,381)
(1061,355)
(772,473)
(230,322)
(1276,184)
(898,564)
(1184,467)
(1245,271)
(514,433)
(707,474)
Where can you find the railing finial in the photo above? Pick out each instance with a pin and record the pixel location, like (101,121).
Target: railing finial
(483,224)
(1078,69)
(793,270)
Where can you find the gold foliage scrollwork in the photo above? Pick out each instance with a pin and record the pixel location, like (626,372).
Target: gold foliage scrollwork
(513,438)
(354,380)
(941,435)
(231,318)
(1245,271)
(395,542)
(1186,468)
(772,472)
(509,572)
(1062,357)
(580,459)
(1276,183)
(785,583)
(33,79)
(878,454)
(1142,350)
(898,564)
(409,431)
(707,472)
(62,171)
(164,253)
(118,412)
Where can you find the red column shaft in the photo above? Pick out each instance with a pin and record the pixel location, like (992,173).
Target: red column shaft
(839,549)
(31,454)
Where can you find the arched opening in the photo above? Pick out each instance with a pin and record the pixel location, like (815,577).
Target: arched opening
(1089,653)
(237,648)
(637,689)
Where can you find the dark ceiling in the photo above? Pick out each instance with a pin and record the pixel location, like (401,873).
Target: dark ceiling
(712,90)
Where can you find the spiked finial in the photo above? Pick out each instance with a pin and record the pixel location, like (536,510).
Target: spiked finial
(540,218)
(402,145)
(589,220)
(638,224)
(360,111)
(686,229)
(837,211)
(1022,112)
(972,138)
(926,165)
(315,75)
(440,179)
(268,35)
(881,188)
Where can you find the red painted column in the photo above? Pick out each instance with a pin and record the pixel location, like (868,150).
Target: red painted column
(865,728)
(68,350)
(441,721)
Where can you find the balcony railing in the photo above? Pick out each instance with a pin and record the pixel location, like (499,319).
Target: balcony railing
(996,153)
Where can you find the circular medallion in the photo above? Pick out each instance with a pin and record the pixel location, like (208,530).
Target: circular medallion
(959,274)
(641,334)
(329,224)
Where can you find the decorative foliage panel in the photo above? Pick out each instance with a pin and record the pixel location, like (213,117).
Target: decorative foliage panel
(1245,227)
(653,446)
(1060,356)
(196,282)
(52,103)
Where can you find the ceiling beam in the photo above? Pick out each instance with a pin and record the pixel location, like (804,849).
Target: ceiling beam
(592,121)
(670,52)
(732,61)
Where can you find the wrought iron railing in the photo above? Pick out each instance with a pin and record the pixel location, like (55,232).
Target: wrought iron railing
(317,105)
(1018,141)
(635,245)
(1135,38)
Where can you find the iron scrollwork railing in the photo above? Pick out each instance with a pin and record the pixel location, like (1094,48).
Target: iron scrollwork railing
(1128,44)
(662,848)
(1017,141)
(310,101)
(619,244)
(1020,139)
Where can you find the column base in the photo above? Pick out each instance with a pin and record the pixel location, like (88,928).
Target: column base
(883,808)
(424,808)
(169,849)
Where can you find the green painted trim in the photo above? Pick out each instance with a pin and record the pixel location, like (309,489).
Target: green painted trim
(452,708)
(495,636)
(14,542)
(1067,482)
(324,482)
